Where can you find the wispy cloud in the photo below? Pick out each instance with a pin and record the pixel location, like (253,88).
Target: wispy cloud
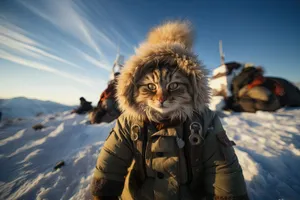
(120,38)
(53,35)
(15,38)
(17,46)
(15,32)
(96,62)
(86,57)
(32,51)
(32,64)
(64,15)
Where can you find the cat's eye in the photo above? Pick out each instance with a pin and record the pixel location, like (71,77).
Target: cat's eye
(151,86)
(173,86)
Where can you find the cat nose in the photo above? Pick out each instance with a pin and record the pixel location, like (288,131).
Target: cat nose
(161,100)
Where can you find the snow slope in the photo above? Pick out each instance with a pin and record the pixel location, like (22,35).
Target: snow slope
(21,107)
(268,147)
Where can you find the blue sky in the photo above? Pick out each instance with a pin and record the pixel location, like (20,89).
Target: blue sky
(61,49)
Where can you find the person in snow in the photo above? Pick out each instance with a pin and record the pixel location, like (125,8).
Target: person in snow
(107,107)
(253,91)
(167,144)
(85,106)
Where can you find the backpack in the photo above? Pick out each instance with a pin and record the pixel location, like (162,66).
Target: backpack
(108,93)
(244,78)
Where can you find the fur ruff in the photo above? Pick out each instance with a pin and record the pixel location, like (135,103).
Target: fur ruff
(169,43)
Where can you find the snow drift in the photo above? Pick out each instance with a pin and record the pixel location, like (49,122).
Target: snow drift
(268,147)
(21,107)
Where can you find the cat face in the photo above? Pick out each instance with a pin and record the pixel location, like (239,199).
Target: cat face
(164,93)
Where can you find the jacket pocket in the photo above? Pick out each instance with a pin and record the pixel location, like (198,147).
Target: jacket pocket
(164,144)
(164,155)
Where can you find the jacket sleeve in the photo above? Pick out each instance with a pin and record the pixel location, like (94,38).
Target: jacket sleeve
(223,176)
(113,161)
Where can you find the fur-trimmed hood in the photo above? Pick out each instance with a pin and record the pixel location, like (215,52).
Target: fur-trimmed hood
(169,43)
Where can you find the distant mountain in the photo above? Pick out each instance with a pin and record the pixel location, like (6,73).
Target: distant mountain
(297,84)
(24,107)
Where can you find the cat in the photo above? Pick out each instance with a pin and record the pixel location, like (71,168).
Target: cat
(164,94)
(164,60)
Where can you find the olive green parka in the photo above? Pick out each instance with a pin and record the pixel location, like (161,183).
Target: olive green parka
(141,161)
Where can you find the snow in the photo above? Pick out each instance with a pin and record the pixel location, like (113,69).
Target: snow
(22,107)
(268,148)
(219,70)
(18,135)
(28,157)
(217,103)
(223,83)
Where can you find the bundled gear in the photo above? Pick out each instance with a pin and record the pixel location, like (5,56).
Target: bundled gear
(107,98)
(85,106)
(222,76)
(287,93)
(175,159)
(252,91)
(107,108)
